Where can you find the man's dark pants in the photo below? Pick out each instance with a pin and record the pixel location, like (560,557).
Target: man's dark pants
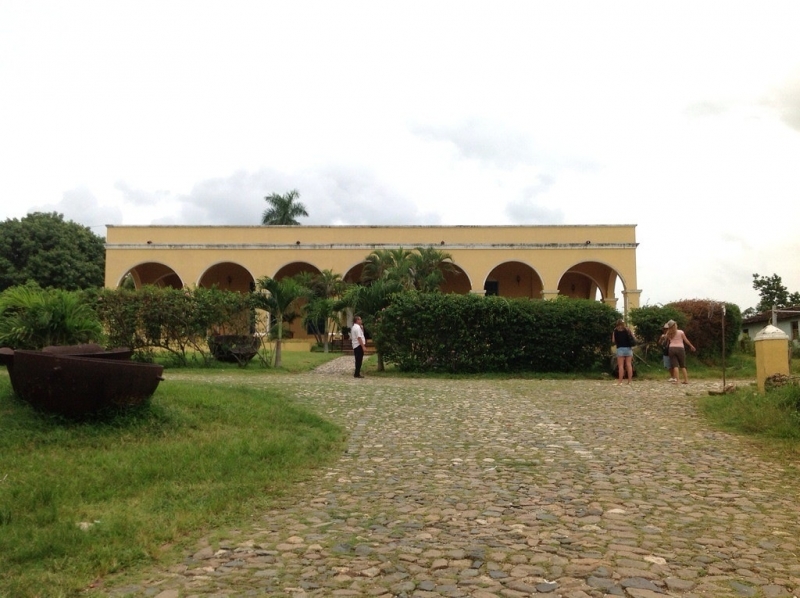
(358,353)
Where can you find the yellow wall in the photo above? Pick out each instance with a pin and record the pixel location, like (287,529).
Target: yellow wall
(540,262)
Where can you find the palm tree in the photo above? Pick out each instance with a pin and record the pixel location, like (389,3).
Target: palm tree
(284,209)
(387,263)
(423,269)
(278,297)
(368,301)
(324,288)
(428,267)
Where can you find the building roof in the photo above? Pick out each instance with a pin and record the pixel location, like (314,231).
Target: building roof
(790,312)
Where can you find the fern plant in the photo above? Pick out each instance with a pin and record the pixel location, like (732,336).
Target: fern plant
(32,318)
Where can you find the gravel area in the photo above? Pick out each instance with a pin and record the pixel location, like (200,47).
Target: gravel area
(510,488)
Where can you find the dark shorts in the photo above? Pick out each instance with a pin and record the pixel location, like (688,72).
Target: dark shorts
(677,357)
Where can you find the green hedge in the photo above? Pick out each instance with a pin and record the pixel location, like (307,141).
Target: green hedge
(469,333)
(703,325)
(700,319)
(174,320)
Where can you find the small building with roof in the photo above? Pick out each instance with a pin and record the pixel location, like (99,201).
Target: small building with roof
(786,319)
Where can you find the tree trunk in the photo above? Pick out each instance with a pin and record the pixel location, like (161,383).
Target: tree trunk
(278,344)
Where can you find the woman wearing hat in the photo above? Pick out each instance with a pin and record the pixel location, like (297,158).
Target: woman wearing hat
(677,351)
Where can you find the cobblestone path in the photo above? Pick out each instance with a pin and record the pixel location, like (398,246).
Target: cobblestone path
(512,488)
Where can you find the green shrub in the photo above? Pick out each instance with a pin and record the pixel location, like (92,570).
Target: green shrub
(704,322)
(468,333)
(174,320)
(649,321)
(32,318)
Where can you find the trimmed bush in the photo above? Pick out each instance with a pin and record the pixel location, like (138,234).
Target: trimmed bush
(703,325)
(173,320)
(468,333)
(649,321)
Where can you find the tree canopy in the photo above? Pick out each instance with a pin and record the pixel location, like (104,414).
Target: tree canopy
(279,297)
(423,269)
(45,249)
(283,209)
(773,293)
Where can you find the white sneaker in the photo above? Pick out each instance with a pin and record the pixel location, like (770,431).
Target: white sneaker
(675,380)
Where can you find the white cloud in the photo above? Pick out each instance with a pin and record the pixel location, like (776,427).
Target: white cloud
(678,117)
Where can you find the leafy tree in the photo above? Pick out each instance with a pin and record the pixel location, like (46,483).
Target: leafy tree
(32,318)
(279,297)
(773,293)
(43,248)
(284,209)
(325,288)
(422,269)
(387,263)
(390,271)
(703,325)
(369,301)
(177,321)
(428,266)
(649,321)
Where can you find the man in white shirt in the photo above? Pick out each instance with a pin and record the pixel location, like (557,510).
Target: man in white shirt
(359,342)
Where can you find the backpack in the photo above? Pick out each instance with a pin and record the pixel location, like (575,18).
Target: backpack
(631,337)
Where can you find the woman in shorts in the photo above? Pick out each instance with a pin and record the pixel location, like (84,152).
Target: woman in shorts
(622,337)
(677,352)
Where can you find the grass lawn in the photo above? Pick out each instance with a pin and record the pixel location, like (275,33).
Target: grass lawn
(771,420)
(292,362)
(82,500)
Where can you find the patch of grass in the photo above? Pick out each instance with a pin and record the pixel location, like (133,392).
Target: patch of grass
(293,362)
(736,367)
(391,371)
(772,420)
(82,500)
(521,464)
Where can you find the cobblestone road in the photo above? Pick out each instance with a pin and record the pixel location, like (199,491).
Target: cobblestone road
(512,488)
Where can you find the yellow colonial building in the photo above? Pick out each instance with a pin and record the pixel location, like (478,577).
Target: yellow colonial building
(538,262)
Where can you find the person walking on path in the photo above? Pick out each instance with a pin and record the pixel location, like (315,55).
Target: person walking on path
(663,342)
(677,352)
(622,337)
(359,342)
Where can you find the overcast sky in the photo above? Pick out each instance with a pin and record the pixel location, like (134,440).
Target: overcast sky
(682,118)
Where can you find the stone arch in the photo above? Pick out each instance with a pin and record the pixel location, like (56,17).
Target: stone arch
(353,275)
(153,273)
(587,280)
(228,276)
(296,329)
(514,279)
(456,282)
(294,268)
